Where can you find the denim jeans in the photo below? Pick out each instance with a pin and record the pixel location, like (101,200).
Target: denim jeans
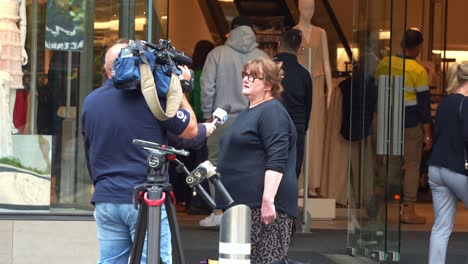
(447,187)
(116,225)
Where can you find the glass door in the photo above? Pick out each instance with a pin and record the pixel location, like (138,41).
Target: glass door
(376,99)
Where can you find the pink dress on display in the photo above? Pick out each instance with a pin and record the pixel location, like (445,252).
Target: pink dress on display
(10,42)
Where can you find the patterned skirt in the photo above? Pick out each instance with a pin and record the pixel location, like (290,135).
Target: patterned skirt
(267,246)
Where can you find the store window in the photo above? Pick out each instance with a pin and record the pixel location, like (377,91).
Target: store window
(42,87)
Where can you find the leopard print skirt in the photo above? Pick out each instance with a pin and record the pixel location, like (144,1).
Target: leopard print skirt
(265,240)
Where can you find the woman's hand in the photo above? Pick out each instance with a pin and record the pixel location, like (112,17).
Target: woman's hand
(210,128)
(268,212)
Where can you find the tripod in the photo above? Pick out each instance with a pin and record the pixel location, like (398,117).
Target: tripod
(148,199)
(150,196)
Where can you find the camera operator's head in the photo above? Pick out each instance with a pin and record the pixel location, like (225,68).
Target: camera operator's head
(112,54)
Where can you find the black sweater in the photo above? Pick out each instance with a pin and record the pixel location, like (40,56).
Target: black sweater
(262,138)
(297,93)
(451,134)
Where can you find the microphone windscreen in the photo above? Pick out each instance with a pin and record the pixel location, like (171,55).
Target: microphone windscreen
(182,59)
(226,108)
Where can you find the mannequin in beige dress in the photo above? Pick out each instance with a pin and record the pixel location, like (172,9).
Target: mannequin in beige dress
(13,40)
(315,39)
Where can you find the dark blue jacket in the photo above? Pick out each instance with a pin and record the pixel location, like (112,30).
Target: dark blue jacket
(111,119)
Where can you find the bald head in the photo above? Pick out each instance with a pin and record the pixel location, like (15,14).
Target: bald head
(111,55)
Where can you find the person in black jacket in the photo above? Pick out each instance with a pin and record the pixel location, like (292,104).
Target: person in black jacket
(447,170)
(297,85)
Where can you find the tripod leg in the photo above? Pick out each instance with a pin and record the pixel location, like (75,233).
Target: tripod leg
(154,231)
(175,233)
(140,233)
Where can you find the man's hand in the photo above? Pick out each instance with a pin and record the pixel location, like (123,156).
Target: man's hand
(185,75)
(427,143)
(210,128)
(427,130)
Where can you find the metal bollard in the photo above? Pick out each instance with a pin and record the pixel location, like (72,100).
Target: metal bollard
(234,235)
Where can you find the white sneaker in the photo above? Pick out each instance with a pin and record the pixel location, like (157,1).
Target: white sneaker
(213,220)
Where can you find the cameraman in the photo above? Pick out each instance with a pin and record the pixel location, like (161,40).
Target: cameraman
(111,119)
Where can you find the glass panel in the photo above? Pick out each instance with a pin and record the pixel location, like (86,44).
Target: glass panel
(159,17)
(377,130)
(42,167)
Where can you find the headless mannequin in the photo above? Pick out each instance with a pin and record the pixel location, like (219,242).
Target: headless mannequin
(315,39)
(306,9)
(24,57)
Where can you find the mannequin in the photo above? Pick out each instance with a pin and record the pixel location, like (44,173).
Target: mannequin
(5,131)
(13,40)
(315,38)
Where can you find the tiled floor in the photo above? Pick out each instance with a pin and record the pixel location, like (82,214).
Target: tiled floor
(341,222)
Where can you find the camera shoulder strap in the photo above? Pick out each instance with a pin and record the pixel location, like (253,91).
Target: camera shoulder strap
(149,91)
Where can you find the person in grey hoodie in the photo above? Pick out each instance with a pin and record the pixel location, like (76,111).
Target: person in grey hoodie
(221,84)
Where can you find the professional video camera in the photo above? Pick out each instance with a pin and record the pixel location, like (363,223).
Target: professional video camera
(152,68)
(162,58)
(165,52)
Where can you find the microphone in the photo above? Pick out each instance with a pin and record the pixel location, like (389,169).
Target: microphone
(181,59)
(206,170)
(220,115)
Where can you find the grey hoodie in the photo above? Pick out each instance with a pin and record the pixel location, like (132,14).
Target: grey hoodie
(221,80)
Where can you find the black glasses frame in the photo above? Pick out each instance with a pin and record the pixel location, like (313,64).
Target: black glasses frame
(250,77)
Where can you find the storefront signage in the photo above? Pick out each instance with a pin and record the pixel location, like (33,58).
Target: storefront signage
(65,25)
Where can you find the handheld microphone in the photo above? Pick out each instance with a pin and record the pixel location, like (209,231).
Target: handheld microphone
(220,115)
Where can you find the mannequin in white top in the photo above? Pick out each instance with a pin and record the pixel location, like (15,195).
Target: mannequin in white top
(14,53)
(315,39)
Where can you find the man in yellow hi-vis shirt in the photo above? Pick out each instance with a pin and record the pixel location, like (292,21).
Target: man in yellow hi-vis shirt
(417,131)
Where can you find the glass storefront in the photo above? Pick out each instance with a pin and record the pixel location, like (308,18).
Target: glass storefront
(377,114)
(42,163)
(376,151)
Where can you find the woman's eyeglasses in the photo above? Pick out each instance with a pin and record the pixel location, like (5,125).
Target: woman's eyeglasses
(250,77)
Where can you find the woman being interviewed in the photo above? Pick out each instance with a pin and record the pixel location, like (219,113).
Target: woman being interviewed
(257,161)
(447,172)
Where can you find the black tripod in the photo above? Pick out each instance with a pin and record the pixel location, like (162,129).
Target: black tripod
(149,197)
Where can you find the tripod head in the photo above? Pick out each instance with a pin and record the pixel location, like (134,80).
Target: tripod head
(157,159)
(167,150)
(157,163)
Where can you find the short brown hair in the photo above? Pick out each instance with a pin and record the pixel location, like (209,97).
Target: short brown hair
(411,38)
(271,72)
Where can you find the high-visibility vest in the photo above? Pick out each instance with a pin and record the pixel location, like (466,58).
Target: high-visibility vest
(415,76)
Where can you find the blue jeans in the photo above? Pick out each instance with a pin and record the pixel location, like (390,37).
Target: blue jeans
(116,225)
(447,187)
